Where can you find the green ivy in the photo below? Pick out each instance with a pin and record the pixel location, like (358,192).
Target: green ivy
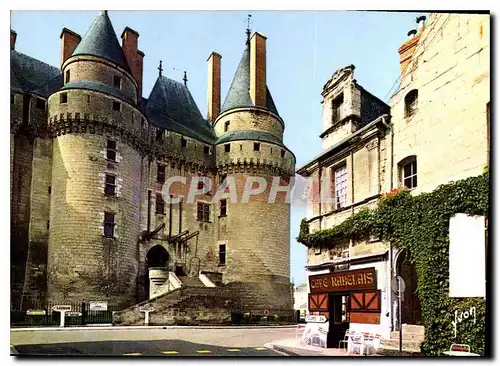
(420,224)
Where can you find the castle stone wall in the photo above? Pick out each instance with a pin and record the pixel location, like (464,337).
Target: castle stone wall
(253,120)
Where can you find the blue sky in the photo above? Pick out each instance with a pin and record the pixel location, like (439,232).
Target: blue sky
(304,48)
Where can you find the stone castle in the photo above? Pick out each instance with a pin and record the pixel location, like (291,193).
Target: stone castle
(90,154)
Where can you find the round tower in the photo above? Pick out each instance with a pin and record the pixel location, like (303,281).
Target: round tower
(98,133)
(250,148)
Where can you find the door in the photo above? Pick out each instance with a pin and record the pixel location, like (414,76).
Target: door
(339,319)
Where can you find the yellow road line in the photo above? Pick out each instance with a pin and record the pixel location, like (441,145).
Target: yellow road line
(203,351)
(234,350)
(132,354)
(170,352)
(260,348)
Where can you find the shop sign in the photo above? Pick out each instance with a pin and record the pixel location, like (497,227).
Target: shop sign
(315,318)
(358,279)
(35,312)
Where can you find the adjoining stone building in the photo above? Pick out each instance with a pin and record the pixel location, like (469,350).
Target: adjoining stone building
(436,131)
(89,159)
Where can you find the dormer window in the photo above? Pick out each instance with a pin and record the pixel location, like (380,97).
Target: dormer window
(117,82)
(337,107)
(40,103)
(411,103)
(116,106)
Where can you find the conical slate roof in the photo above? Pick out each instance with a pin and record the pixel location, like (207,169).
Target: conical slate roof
(100,40)
(238,95)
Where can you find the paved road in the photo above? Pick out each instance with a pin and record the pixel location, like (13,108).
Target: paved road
(170,348)
(150,342)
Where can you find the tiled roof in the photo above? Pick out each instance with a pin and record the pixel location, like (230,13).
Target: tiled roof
(238,95)
(100,40)
(171,106)
(28,74)
(100,87)
(249,135)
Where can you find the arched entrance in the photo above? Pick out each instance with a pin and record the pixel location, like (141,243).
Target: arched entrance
(410,310)
(157,256)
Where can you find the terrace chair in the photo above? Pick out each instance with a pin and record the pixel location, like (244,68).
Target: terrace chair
(345,341)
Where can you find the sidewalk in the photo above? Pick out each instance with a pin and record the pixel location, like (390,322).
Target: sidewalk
(290,347)
(138,327)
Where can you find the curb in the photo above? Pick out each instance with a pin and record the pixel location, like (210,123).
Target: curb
(282,350)
(144,327)
(13,351)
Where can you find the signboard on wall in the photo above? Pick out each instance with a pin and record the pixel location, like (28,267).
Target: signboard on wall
(98,305)
(358,279)
(467,256)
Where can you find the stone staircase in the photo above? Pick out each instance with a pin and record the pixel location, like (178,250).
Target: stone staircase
(190,281)
(413,336)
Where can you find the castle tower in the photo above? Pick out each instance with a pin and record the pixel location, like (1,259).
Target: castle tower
(98,133)
(254,236)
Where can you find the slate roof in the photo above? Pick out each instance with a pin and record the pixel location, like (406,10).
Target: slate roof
(100,40)
(239,92)
(172,107)
(27,74)
(100,87)
(249,135)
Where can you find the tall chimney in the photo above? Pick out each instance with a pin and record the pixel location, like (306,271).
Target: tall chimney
(13,36)
(133,55)
(407,49)
(213,86)
(258,70)
(69,41)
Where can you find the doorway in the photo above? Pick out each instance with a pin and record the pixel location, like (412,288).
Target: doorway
(338,312)
(410,310)
(157,256)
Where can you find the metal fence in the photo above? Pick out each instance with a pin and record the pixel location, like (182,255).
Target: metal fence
(43,315)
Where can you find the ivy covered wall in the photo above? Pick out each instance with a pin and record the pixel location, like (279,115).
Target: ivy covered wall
(420,224)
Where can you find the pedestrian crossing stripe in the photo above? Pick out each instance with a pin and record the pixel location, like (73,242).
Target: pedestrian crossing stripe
(204,351)
(132,354)
(260,348)
(234,350)
(170,352)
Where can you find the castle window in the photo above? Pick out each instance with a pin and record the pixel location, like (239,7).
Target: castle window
(159,135)
(256,146)
(282,153)
(227,148)
(40,103)
(411,103)
(50,190)
(142,123)
(110,187)
(88,99)
(223,207)
(48,224)
(63,98)
(160,174)
(206,150)
(183,142)
(222,254)
(67,77)
(408,171)
(337,107)
(203,213)
(117,82)
(12,98)
(160,205)
(226,126)
(222,178)
(111,150)
(116,106)
(109,225)
(340,186)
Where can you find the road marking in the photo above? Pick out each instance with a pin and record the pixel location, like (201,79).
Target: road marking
(260,348)
(234,350)
(133,354)
(170,352)
(204,351)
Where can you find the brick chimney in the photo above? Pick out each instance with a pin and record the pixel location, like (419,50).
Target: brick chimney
(258,70)
(13,36)
(69,41)
(134,56)
(407,49)
(213,86)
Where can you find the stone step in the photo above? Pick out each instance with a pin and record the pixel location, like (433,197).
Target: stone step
(413,328)
(408,346)
(408,336)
